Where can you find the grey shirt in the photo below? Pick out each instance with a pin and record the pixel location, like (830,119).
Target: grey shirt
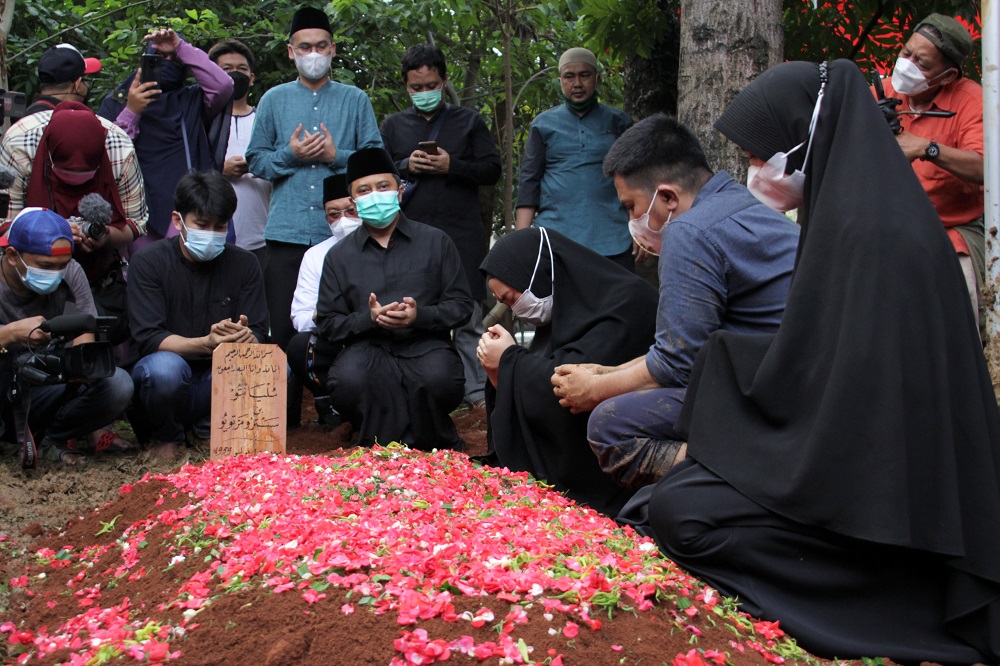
(73,296)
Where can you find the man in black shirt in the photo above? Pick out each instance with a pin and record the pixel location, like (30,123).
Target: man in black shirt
(391,292)
(186,296)
(447,178)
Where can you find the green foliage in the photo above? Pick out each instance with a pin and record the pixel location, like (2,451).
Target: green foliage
(626,27)
(831,30)
(371,36)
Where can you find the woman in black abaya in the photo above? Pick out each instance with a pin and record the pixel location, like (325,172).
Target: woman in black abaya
(843,473)
(600,313)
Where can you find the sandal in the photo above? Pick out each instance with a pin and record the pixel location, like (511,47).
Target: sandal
(63,454)
(104,440)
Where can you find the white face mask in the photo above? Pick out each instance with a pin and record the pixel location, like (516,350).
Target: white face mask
(313,66)
(907,79)
(752,171)
(649,240)
(529,308)
(771,185)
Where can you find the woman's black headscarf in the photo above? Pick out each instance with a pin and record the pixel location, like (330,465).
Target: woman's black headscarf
(601,313)
(870,413)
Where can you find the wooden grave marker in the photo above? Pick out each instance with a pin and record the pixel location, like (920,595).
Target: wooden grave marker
(249,385)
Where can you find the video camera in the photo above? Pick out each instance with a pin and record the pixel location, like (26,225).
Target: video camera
(12,105)
(56,363)
(887,105)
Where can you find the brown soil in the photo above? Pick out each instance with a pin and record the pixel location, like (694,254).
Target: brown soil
(53,506)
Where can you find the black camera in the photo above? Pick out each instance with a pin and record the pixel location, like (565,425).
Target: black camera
(887,105)
(90,228)
(94,217)
(56,363)
(12,105)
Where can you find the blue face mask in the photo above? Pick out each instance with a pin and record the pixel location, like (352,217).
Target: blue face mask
(41,280)
(378,209)
(204,245)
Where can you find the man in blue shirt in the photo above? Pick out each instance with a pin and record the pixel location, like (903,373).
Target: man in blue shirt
(561,176)
(726,264)
(305,130)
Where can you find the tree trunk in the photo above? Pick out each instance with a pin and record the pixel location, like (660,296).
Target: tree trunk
(508,122)
(6,20)
(651,83)
(724,46)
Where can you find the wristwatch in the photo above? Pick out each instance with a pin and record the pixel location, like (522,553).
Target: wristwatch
(931,152)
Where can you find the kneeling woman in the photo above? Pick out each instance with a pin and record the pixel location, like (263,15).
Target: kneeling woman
(586,309)
(842,473)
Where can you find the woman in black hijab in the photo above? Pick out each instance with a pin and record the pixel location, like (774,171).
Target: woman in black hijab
(600,313)
(844,473)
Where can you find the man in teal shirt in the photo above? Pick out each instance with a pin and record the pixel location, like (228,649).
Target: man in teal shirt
(305,131)
(561,173)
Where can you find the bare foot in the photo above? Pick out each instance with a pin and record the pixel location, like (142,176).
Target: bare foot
(166,451)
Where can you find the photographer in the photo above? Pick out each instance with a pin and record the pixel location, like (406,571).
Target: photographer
(71,161)
(40,281)
(946,152)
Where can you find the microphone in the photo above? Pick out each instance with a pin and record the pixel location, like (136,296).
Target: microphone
(74,324)
(95,209)
(494,315)
(95,215)
(6,180)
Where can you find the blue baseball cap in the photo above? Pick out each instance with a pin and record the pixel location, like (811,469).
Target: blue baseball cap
(34,230)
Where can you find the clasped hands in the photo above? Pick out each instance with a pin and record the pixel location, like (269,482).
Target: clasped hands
(313,146)
(395,315)
(230,331)
(575,386)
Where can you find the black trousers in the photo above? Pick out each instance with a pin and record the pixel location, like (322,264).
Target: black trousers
(392,398)
(281,272)
(835,595)
(310,360)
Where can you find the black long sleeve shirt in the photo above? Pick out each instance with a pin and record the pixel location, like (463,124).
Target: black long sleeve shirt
(169,295)
(420,262)
(450,201)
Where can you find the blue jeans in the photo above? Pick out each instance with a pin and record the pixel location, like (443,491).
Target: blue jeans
(170,396)
(73,411)
(633,435)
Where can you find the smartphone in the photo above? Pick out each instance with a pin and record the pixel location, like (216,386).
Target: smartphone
(429,147)
(151,65)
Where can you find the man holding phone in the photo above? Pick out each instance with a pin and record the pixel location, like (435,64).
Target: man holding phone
(167,119)
(445,152)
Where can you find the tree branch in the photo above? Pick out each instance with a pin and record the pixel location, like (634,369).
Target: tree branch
(74,27)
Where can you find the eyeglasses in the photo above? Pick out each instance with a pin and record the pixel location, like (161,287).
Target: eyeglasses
(305,48)
(335,215)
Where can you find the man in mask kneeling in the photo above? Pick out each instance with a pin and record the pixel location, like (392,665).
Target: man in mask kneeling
(391,292)
(40,280)
(725,264)
(187,295)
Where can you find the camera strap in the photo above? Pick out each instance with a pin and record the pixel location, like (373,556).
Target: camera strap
(22,405)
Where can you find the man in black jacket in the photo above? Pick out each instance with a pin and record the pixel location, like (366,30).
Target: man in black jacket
(444,180)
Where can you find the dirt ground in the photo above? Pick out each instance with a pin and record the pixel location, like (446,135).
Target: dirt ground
(272,629)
